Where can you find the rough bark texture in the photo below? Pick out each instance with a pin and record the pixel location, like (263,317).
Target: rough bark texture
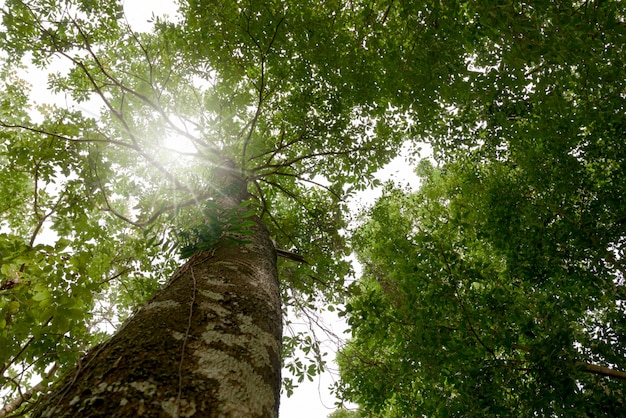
(206,345)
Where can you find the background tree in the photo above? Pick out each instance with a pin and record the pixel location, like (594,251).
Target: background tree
(497,288)
(344,413)
(278,107)
(473,304)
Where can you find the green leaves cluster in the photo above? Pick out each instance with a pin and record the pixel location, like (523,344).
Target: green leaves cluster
(302,358)
(480,300)
(497,288)
(43,309)
(219,226)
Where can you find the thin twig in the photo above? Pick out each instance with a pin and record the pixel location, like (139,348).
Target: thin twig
(185,338)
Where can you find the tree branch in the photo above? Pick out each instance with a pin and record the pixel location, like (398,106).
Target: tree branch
(25,396)
(67,138)
(601,370)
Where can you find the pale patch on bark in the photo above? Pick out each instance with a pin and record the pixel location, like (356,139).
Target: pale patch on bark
(182,409)
(165,304)
(211,295)
(144,387)
(214,280)
(219,310)
(259,357)
(238,380)
(177,335)
(237,395)
(141,410)
(247,328)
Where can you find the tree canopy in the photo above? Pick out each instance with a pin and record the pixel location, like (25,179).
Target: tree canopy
(497,288)
(120,168)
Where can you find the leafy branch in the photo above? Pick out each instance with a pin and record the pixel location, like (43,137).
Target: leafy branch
(218,226)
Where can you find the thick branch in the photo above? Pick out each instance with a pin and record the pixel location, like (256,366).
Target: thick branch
(302,179)
(312,155)
(601,370)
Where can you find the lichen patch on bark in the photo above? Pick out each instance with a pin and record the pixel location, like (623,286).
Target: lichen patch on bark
(242,391)
(147,388)
(179,409)
(211,295)
(163,304)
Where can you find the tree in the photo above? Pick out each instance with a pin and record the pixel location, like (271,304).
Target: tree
(344,413)
(299,101)
(276,105)
(497,288)
(477,300)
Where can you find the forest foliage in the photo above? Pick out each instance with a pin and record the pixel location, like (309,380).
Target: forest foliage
(494,289)
(497,287)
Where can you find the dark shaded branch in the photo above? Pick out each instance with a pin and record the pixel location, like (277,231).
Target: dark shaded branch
(255,119)
(471,325)
(67,138)
(260,89)
(466,315)
(590,368)
(601,370)
(269,46)
(271,216)
(386,15)
(115,276)
(279,148)
(261,198)
(288,163)
(291,256)
(298,177)
(41,218)
(283,190)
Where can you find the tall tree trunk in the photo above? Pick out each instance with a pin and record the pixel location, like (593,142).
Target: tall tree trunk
(208,344)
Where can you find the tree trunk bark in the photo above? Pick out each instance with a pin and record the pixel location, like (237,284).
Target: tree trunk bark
(208,344)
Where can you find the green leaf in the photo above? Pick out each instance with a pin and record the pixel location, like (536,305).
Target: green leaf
(61,244)
(41,295)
